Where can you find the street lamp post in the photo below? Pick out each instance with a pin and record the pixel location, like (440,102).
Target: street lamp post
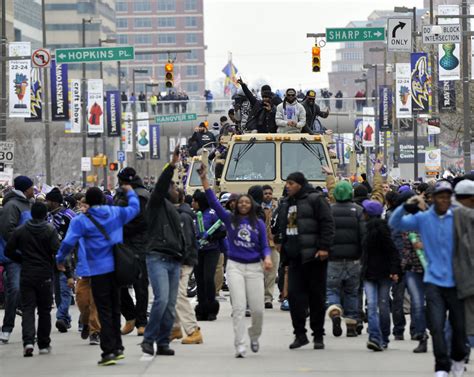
(134,114)
(47,134)
(84,102)
(367,156)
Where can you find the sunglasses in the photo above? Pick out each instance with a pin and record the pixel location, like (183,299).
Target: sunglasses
(291,95)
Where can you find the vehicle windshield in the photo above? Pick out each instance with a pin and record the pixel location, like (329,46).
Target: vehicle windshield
(253,161)
(194,179)
(305,157)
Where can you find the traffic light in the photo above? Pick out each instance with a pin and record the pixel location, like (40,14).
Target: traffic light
(316,52)
(113,166)
(99,160)
(169,75)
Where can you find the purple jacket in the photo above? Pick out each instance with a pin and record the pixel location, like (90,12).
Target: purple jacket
(247,243)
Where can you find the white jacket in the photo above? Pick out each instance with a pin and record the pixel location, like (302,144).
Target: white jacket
(292,111)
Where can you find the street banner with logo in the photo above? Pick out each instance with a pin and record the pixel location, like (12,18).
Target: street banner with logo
(446,96)
(385,108)
(369,127)
(19,82)
(449,54)
(433,160)
(358,134)
(36,102)
(59,92)
(420,83)
(127,131)
(113,112)
(95,106)
(74,124)
(143,132)
(403,88)
(154,141)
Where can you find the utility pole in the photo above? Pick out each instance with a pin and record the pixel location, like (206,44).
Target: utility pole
(465,90)
(415,125)
(119,86)
(3,100)
(84,102)
(47,133)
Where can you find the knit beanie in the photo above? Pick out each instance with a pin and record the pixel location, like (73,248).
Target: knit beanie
(372,208)
(343,191)
(361,191)
(54,195)
(22,183)
(127,174)
(94,196)
(297,177)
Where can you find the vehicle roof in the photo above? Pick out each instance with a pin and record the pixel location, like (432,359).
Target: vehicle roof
(277,137)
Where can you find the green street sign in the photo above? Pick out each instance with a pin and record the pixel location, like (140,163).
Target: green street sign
(351,34)
(175,118)
(94,54)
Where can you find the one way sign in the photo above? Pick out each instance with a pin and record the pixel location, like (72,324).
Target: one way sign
(399,34)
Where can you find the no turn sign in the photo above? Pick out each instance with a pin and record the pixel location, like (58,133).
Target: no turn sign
(41,58)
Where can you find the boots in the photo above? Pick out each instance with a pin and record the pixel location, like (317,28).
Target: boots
(423,345)
(128,327)
(335,313)
(351,326)
(176,333)
(194,338)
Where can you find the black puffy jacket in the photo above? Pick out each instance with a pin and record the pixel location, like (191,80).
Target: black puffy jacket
(350,229)
(188,217)
(314,222)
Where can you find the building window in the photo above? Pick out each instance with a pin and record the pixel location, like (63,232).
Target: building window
(142,6)
(122,23)
(162,57)
(166,5)
(191,39)
(142,22)
(167,22)
(191,70)
(192,55)
(191,22)
(192,87)
(122,39)
(167,39)
(121,6)
(190,5)
(143,39)
(143,57)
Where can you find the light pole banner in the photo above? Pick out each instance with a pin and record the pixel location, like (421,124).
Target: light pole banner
(154,141)
(95,106)
(113,112)
(368,124)
(358,134)
(19,80)
(420,81)
(127,131)
(446,96)
(402,87)
(36,103)
(59,92)
(73,126)
(143,133)
(449,66)
(385,108)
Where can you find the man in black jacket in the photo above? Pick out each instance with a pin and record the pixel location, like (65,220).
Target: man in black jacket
(34,245)
(344,262)
(165,251)
(185,315)
(313,111)
(307,232)
(134,236)
(200,138)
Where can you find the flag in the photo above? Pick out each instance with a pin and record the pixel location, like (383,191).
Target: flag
(230,83)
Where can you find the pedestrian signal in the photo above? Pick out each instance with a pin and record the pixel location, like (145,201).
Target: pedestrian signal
(316,52)
(113,166)
(169,75)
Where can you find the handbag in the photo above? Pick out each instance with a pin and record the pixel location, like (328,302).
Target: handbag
(127,266)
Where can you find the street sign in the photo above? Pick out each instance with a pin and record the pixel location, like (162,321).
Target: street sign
(399,38)
(362,34)
(94,54)
(121,156)
(175,118)
(41,57)
(6,152)
(441,34)
(86,164)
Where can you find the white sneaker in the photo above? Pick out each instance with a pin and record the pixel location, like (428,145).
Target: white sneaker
(45,351)
(457,368)
(5,337)
(441,373)
(241,352)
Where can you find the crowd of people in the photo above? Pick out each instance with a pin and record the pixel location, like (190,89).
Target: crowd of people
(171,102)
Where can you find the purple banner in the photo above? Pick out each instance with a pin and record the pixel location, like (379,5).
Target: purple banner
(420,83)
(36,98)
(59,92)
(113,113)
(154,141)
(385,108)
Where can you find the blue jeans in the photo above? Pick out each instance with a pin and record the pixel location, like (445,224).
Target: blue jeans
(11,280)
(378,309)
(62,296)
(344,280)
(416,289)
(163,273)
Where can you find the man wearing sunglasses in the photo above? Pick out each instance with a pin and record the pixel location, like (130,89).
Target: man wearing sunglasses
(313,111)
(290,114)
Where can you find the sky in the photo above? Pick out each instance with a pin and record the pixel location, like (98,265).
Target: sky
(268,41)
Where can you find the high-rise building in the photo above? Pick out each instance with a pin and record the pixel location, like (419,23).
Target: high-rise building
(27,24)
(152,25)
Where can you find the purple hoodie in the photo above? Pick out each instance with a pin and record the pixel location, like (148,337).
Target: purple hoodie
(247,243)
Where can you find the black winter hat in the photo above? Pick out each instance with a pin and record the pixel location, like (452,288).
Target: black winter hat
(127,174)
(95,196)
(22,183)
(256,192)
(361,191)
(39,211)
(55,195)
(297,177)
